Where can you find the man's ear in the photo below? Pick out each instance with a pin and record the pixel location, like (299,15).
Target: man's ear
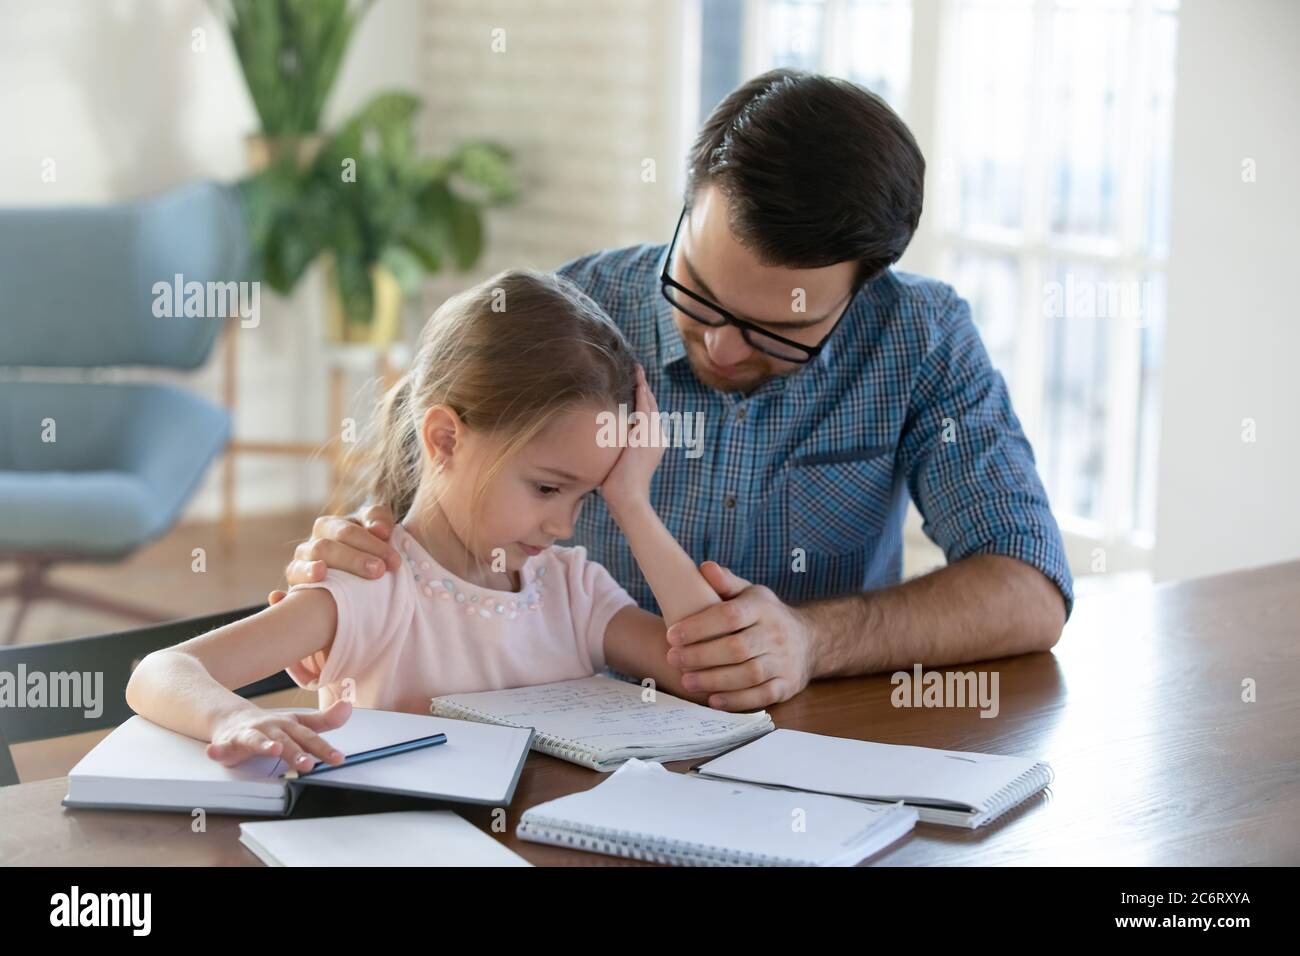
(441,434)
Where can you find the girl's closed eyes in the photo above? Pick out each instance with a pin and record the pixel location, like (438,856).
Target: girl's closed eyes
(547,491)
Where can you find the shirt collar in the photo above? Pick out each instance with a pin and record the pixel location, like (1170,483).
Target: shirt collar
(671,347)
(835,345)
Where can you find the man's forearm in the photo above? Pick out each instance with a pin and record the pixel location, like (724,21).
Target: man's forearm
(982,607)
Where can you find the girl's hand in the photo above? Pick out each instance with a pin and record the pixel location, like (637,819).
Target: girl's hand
(629,480)
(294,738)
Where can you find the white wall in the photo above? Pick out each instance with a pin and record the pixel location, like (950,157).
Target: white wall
(1233,336)
(115,94)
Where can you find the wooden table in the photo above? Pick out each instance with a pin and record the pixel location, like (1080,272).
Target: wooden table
(1139,709)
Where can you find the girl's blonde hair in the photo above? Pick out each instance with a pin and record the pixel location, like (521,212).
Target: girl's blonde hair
(507,356)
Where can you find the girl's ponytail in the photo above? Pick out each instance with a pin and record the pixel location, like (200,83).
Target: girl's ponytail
(394,469)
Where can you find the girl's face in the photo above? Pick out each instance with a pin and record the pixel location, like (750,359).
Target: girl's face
(536,496)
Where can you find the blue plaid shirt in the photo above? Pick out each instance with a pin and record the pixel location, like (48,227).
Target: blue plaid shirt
(903,400)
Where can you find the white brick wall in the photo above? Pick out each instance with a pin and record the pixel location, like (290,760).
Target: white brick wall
(584,92)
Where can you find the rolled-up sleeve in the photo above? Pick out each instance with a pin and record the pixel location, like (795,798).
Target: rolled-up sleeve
(969,467)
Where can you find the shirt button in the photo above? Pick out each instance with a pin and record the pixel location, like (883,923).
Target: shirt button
(729,501)
(741,412)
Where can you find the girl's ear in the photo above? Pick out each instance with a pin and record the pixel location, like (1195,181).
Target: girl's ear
(441,434)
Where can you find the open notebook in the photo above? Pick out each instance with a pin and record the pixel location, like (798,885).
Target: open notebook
(142,766)
(945,786)
(646,812)
(600,722)
(408,838)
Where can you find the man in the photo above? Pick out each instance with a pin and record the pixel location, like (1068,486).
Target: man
(832,388)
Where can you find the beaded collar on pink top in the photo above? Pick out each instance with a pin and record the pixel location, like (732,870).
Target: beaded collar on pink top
(437,583)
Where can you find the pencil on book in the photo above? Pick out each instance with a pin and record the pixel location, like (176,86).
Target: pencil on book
(378,753)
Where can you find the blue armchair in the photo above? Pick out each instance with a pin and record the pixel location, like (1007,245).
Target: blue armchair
(90,469)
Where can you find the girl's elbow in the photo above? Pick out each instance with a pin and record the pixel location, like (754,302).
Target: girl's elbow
(137,685)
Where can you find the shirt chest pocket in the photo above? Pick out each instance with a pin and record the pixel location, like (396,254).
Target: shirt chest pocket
(838,504)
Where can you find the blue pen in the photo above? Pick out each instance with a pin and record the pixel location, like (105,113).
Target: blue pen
(379,752)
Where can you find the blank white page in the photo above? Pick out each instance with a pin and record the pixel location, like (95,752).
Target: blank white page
(141,750)
(414,838)
(860,768)
(477,763)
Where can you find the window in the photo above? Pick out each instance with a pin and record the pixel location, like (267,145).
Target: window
(1047,128)
(1053,134)
(867,41)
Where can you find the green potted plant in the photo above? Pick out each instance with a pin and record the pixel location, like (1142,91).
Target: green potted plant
(290,52)
(397,217)
(389,215)
(383,214)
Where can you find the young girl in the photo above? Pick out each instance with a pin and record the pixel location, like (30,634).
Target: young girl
(487,448)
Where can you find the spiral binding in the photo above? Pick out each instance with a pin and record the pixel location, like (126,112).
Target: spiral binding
(1018,791)
(638,846)
(566,748)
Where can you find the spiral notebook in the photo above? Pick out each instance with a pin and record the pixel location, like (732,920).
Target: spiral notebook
(945,786)
(646,812)
(600,722)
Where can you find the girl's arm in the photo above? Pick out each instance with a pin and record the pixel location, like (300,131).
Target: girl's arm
(189,688)
(635,640)
(635,645)
(677,584)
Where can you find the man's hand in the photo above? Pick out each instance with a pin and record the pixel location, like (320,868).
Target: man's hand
(357,544)
(750,651)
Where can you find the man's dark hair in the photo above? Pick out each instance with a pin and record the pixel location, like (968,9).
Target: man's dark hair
(816,170)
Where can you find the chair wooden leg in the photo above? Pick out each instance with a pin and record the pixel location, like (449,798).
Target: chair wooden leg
(11,633)
(33,585)
(97,602)
(31,573)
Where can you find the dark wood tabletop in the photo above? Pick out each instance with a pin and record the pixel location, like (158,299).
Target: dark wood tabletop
(1139,709)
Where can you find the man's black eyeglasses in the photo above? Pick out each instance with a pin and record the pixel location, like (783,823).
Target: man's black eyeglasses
(710,313)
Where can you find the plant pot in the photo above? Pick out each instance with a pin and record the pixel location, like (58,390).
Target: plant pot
(385,325)
(263,151)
